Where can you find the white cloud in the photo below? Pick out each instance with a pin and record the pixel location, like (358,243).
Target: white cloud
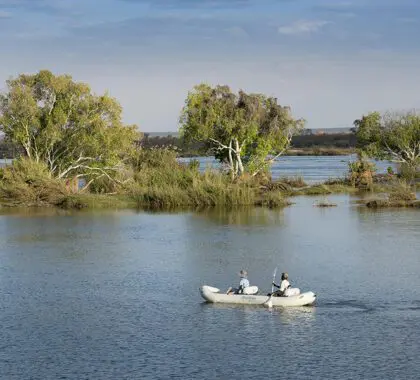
(303,27)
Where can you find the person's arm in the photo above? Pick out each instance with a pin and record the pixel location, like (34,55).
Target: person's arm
(274,284)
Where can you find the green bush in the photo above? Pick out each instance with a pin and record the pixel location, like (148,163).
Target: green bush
(409,173)
(272,199)
(296,181)
(401,191)
(361,173)
(160,181)
(29,182)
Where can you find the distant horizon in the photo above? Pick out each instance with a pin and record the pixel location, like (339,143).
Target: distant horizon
(168,132)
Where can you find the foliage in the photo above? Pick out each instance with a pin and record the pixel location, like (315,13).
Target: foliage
(386,203)
(96,201)
(401,191)
(296,181)
(325,189)
(395,137)
(160,181)
(29,182)
(272,199)
(408,172)
(154,158)
(361,172)
(59,122)
(241,128)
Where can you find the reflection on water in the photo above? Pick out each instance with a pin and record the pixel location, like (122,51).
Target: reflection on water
(302,316)
(242,216)
(114,294)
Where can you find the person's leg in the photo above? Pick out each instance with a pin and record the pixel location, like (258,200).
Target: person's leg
(232,291)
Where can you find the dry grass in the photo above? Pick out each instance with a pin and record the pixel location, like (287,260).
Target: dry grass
(401,191)
(386,203)
(296,182)
(27,182)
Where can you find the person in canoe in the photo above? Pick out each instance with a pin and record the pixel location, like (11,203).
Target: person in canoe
(285,289)
(243,283)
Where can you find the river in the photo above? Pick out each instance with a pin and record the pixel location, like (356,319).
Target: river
(313,169)
(114,294)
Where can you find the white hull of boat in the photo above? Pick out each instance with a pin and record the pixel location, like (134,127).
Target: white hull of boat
(303,299)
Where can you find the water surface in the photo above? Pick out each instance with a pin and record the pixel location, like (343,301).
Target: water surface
(312,169)
(114,294)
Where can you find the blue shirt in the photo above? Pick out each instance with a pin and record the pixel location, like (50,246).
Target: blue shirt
(244,283)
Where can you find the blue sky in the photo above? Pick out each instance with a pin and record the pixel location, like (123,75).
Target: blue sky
(331,61)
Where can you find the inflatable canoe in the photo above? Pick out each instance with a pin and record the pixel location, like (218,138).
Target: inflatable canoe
(213,295)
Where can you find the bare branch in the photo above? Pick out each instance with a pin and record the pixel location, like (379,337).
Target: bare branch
(221,145)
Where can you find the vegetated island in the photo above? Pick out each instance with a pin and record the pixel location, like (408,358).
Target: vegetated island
(72,150)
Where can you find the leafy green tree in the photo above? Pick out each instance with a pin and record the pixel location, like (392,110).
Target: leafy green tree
(392,136)
(243,129)
(61,123)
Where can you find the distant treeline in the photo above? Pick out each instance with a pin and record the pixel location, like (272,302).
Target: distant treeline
(340,141)
(343,140)
(199,149)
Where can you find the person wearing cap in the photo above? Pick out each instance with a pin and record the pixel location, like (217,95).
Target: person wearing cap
(243,283)
(285,284)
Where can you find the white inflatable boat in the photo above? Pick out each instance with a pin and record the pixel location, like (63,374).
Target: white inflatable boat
(213,295)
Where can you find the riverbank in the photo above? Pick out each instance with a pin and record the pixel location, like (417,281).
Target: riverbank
(320,151)
(159,181)
(156,181)
(272,194)
(386,203)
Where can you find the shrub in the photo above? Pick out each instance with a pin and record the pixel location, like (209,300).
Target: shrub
(272,199)
(296,181)
(361,173)
(29,182)
(160,181)
(401,191)
(409,173)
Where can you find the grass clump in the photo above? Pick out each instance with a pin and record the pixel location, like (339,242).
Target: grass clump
(160,181)
(27,182)
(401,191)
(409,173)
(296,182)
(272,199)
(386,203)
(400,194)
(95,201)
(361,173)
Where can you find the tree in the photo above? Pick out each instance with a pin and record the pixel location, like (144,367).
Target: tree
(392,136)
(61,123)
(243,129)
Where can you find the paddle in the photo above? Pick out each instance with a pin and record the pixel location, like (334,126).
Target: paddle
(268,302)
(274,277)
